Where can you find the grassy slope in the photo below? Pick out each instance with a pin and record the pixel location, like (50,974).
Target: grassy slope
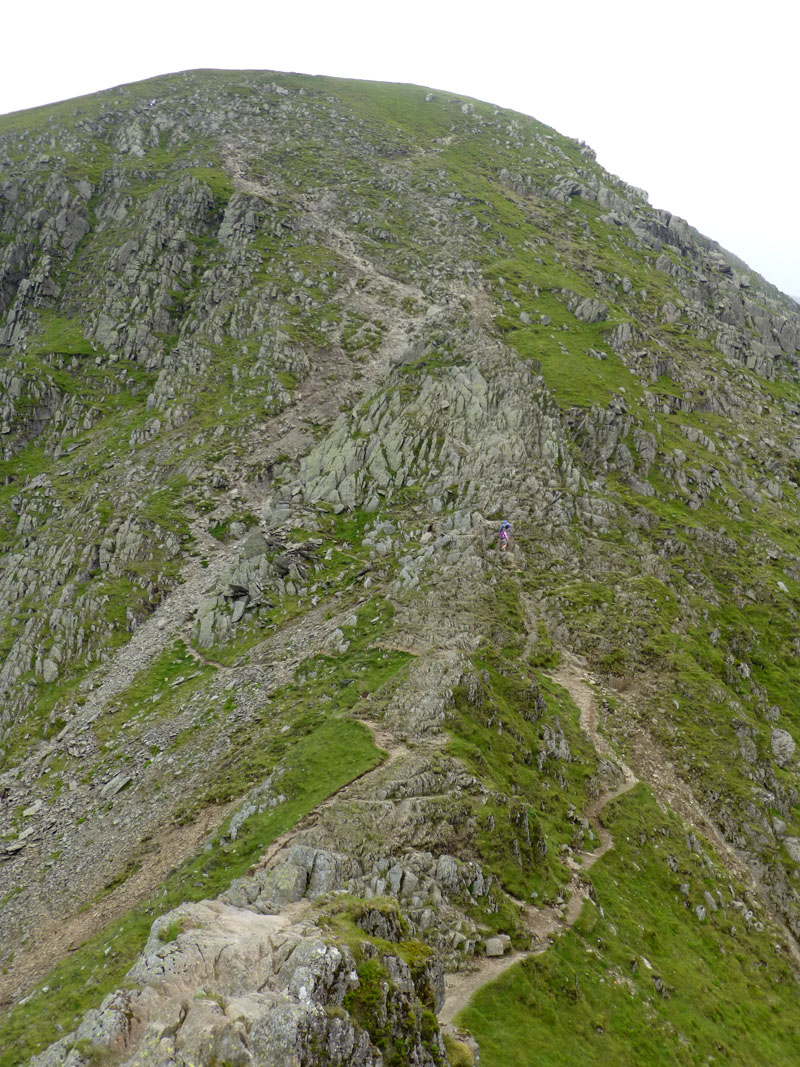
(727,997)
(320,763)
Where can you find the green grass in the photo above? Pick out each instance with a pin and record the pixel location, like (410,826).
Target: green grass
(218,182)
(161,676)
(62,336)
(323,686)
(592,998)
(164,506)
(316,765)
(498,732)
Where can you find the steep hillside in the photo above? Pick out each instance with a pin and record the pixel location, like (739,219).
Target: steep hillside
(294,758)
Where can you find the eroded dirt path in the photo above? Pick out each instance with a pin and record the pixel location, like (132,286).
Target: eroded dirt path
(385,741)
(460,988)
(546,924)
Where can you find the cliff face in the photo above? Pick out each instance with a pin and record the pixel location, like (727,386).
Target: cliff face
(277,354)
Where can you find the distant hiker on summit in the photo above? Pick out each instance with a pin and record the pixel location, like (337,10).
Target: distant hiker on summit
(503,534)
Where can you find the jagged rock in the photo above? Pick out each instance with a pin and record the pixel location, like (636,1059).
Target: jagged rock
(711,904)
(783,746)
(261,991)
(49,670)
(255,545)
(591,310)
(381,923)
(117,783)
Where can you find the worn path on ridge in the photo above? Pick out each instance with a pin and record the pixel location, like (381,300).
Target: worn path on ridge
(545,924)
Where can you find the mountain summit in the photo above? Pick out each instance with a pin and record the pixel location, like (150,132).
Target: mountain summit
(301,764)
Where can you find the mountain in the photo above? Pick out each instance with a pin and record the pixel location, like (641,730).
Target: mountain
(298,766)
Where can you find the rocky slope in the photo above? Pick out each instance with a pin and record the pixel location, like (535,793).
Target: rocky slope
(279,744)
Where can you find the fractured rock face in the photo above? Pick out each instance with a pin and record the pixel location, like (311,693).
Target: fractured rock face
(783,746)
(219,984)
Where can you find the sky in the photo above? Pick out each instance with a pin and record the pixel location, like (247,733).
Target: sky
(695,101)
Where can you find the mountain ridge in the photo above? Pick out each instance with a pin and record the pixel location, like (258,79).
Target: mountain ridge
(278,353)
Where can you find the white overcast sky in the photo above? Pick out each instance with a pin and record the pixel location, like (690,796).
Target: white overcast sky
(695,101)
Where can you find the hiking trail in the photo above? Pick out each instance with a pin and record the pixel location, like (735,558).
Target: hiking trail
(545,924)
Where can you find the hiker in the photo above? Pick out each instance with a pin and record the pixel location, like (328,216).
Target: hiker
(503,534)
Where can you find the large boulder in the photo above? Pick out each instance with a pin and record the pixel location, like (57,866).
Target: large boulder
(783,746)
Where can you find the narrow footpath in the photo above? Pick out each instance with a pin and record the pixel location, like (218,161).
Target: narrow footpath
(546,924)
